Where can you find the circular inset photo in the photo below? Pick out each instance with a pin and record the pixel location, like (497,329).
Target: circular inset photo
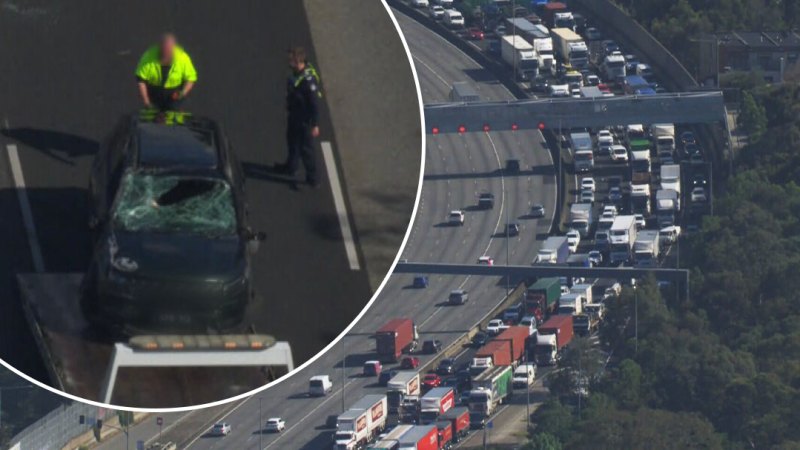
(197,197)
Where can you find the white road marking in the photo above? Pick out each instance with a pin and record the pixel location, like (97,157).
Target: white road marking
(25,207)
(341,208)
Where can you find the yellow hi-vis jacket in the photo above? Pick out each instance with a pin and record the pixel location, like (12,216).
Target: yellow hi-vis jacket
(182,70)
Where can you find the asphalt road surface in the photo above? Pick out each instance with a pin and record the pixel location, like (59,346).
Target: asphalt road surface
(68,77)
(457,167)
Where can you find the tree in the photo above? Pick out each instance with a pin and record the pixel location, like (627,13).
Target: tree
(543,441)
(555,419)
(752,117)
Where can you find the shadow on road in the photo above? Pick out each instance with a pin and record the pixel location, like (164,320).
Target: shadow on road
(269,173)
(55,144)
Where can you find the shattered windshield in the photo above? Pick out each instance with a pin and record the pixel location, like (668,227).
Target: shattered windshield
(174,203)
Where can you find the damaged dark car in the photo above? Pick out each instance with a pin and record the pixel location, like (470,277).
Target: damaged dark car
(171,248)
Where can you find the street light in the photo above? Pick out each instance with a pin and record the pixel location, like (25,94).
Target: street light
(260,425)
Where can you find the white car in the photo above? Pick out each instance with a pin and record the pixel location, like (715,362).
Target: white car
(456,218)
(588,184)
(495,326)
(573,239)
(436,12)
(608,215)
(420,3)
(487,260)
(610,209)
(619,153)
(575,93)
(559,90)
(587,197)
(604,137)
(640,221)
(699,195)
(221,429)
(275,424)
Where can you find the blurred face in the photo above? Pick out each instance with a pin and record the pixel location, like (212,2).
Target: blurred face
(167,47)
(295,63)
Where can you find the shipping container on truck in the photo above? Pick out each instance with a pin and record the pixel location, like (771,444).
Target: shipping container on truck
(570,47)
(554,250)
(520,55)
(489,389)
(494,353)
(537,35)
(392,439)
(394,338)
(403,385)
(552,337)
(361,423)
(542,296)
(459,420)
(548,10)
(516,337)
(420,437)
(435,402)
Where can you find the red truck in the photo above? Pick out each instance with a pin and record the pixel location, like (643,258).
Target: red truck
(516,336)
(459,421)
(548,11)
(504,350)
(552,337)
(421,437)
(394,338)
(445,433)
(435,402)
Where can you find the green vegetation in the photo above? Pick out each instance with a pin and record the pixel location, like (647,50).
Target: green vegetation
(720,369)
(21,407)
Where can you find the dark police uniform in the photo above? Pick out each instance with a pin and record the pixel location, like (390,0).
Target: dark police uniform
(302,104)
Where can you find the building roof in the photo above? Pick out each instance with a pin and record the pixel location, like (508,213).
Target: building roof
(759,39)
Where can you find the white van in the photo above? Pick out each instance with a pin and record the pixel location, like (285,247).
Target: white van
(319,385)
(530,323)
(524,375)
(420,3)
(453,18)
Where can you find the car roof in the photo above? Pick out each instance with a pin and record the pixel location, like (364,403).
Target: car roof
(187,143)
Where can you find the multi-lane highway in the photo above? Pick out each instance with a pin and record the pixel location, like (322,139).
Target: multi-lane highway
(457,168)
(69,78)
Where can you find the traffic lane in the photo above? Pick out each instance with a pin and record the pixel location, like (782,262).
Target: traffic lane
(446,63)
(58,133)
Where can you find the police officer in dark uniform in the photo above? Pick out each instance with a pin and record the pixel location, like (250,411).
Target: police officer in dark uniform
(302,98)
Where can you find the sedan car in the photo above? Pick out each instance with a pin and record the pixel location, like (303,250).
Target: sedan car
(446,366)
(699,195)
(687,137)
(486,260)
(431,346)
(456,217)
(436,12)
(409,362)
(537,210)
(512,229)
(595,257)
(480,339)
(372,368)
(431,380)
(275,425)
(540,85)
(615,194)
(592,34)
(640,221)
(495,326)
(475,33)
(486,200)
(588,184)
(586,197)
(573,240)
(221,429)
(619,153)
(171,247)
(699,179)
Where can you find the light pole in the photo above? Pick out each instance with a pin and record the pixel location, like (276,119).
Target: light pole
(636,319)
(528,394)
(344,358)
(260,426)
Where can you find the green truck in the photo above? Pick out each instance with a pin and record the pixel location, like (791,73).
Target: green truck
(489,389)
(542,297)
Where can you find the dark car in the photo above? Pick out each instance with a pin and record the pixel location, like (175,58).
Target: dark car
(431,346)
(512,229)
(458,297)
(486,200)
(540,84)
(537,210)
(446,366)
(171,247)
(385,376)
(409,362)
(687,137)
(699,179)
(480,339)
(420,281)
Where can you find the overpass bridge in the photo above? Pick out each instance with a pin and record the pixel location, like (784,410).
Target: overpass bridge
(686,107)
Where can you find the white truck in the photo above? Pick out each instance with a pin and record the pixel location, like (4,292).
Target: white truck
(646,248)
(671,177)
(319,385)
(663,137)
(640,199)
(463,91)
(582,151)
(581,218)
(570,47)
(489,389)
(584,289)
(403,386)
(359,425)
(519,53)
(543,45)
(524,376)
(621,236)
(571,303)
(668,204)
(614,67)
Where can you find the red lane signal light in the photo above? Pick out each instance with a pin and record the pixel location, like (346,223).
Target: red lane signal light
(435,130)
(514,127)
(541,125)
(486,128)
(462,129)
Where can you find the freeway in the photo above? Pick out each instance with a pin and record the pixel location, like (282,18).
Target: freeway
(69,78)
(457,168)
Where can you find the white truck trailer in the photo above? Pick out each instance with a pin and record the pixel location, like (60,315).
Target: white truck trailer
(570,47)
(519,53)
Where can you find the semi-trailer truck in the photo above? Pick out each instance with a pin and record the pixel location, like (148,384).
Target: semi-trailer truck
(571,303)
(542,297)
(554,250)
(640,199)
(435,402)
(519,53)
(420,437)
(570,47)
(671,177)
(614,67)
(548,11)
(581,218)
(646,248)
(582,151)
(551,338)
(634,84)
(584,324)
(394,338)
(668,204)
(361,423)
(663,137)
(504,350)
(459,421)
(391,441)
(489,389)
(404,385)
